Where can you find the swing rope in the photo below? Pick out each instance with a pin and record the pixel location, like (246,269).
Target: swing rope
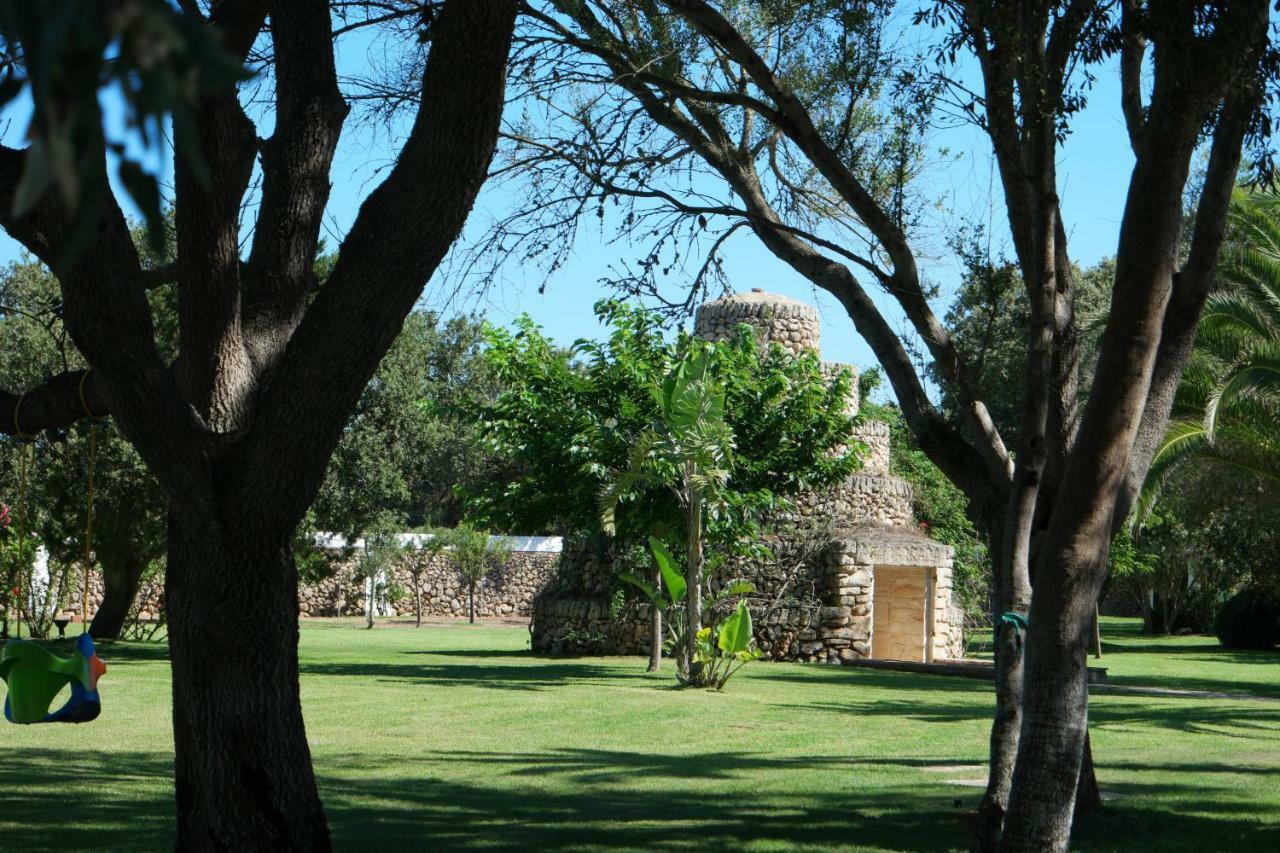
(88,511)
(24,462)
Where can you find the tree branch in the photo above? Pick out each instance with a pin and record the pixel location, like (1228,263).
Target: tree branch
(904,285)
(1132,52)
(295,176)
(54,405)
(401,234)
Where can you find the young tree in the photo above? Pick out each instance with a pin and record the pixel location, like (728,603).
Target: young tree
(659,109)
(572,425)
(237,431)
(475,554)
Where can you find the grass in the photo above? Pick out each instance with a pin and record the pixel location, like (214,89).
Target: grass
(457,737)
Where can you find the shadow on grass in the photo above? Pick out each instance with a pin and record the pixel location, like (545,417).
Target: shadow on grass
(589,799)
(1265,689)
(62,800)
(494,676)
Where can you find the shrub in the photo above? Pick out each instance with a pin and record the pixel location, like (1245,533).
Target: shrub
(1250,619)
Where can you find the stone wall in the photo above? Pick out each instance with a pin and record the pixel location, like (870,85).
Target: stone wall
(505,592)
(828,619)
(788,322)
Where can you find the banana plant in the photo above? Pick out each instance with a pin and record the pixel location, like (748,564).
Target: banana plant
(689,451)
(714,648)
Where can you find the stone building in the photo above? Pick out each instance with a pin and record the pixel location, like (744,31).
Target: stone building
(877,587)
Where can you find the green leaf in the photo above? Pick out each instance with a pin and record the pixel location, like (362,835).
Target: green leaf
(675,583)
(735,633)
(646,588)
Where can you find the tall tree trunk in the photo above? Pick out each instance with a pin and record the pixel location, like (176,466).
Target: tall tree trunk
(655,641)
(471,601)
(242,766)
(417,602)
(693,594)
(1009,595)
(120,579)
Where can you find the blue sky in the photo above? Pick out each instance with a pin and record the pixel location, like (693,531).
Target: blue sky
(1094,168)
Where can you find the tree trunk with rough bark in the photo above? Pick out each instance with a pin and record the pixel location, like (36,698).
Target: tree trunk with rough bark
(120,579)
(655,640)
(239,430)
(242,766)
(693,594)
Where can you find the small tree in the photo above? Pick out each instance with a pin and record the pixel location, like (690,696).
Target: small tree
(378,557)
(428,549)
(475,554)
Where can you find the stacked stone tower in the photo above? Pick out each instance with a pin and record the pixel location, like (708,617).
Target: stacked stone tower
(869,497)
(884,587)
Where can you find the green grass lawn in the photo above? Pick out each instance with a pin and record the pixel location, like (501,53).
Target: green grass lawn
(457,737)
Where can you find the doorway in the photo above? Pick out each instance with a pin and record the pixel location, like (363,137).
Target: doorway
(901,620)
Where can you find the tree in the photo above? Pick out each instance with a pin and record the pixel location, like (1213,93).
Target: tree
(662,110)
(128,512)
(238,430)
(688,450)
(475,554)
(407,448)
(571,427)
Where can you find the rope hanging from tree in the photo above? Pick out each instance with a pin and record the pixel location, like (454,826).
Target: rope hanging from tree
(27,441)
(94,420)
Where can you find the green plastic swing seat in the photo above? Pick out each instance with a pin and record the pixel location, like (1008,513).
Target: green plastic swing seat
(35,675)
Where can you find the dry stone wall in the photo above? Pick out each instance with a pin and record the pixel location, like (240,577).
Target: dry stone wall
(870,526)
(506,592)
(788,322)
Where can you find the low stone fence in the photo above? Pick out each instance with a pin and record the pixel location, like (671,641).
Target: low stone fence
(508,591)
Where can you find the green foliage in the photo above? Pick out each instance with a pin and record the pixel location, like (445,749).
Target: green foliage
(129,508)
(474,553)
(989,320)
(1201,543)
(156,59)
(570,420)
(407,445)
(1250,619)
(1227,409)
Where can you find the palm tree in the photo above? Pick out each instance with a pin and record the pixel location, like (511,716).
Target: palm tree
(1227,409)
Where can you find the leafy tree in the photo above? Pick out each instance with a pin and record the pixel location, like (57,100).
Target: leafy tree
(408,447)
(686,118)
(568,421)
(687,450)
(129,511)
(571,423)
(238,431)
(475,554)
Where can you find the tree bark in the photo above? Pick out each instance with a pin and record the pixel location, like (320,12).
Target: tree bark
(655,642)
(693,594)
(242,768)
(120,579)
(1003,746)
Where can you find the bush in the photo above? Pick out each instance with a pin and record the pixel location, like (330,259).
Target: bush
(1250,619)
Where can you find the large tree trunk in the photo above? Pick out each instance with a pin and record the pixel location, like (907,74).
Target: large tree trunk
(242,766)
(120,579)
(1006,597)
